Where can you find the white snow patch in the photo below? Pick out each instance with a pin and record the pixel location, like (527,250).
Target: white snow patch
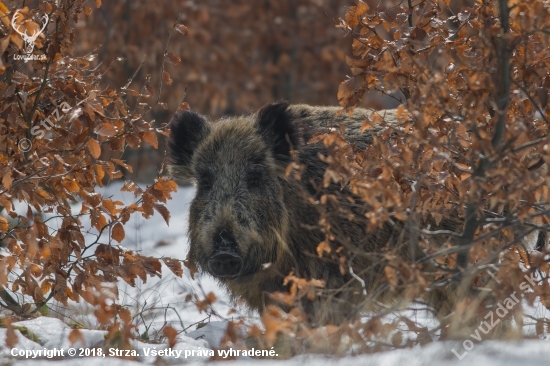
(53,333)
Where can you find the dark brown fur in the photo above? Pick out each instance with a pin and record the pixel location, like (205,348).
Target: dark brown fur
(245,200)
(274,222)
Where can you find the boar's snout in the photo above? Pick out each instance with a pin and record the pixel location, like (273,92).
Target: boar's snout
(225,260)
(225,264)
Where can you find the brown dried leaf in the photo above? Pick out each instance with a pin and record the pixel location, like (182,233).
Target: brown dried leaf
(123,164)
(16,39)
(167,79)
(354,14)
(173,59)
(11,337)
(182,29)
(94,148)
(151,265)
(174,265)
(7,180)
(323,247)
(125,315)
(4,42)
(539,327)
(163,211)
(184,107)
(118,232)
(108,253)
(319,136)
(171,335)
(105,129)
(76,335)
(418,34)
(192,267)
(151,138)
(4,226)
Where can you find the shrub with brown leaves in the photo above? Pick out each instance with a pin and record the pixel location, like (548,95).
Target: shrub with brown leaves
(56,119)
(470,143)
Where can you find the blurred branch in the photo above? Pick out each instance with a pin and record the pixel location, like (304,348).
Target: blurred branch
(503,73)
(410,17)
(163,66)
(502,99)
(10,303)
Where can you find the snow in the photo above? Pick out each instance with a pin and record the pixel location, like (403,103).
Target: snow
(159,300)
(162,301)
(53,333)
(529,352)
(212,333)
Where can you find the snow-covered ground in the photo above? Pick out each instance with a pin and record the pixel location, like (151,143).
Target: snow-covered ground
(162,301)
(52,334)
(159,301)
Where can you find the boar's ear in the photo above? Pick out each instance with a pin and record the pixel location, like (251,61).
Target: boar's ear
(188,130)
(274,124)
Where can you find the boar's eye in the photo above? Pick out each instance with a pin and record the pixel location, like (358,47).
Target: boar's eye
(254,179)
(205,181)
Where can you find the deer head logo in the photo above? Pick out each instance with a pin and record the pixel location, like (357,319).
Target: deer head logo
(29,39)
